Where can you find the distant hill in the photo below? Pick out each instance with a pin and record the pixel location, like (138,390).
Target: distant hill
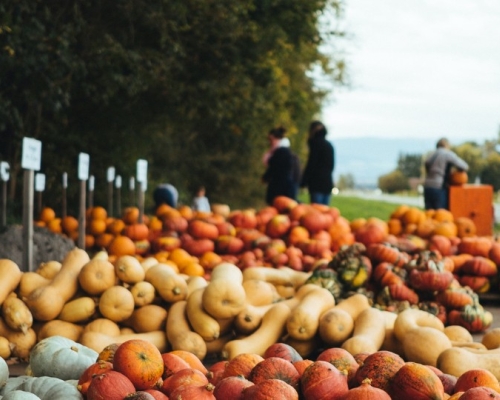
(368,158)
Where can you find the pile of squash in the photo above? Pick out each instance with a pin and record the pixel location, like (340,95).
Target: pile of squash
(60,368)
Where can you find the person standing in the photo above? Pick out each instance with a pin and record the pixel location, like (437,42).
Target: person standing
(165,193)
(437,167)
(200,201)
(279,174)
(318,172)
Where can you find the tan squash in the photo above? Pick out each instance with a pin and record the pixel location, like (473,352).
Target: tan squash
(20,343)
(249,319)
(98,341)
(215,346)
(96,276)
(125,330)
(269,332)
(417,345)
(116,303)
(285,291)
(368,334)
(103,325)
(5,351)
(78,310)
(303,322)
(16,314)
(491,339)
(354,305)
(29,282)
(180,334)
(412,318)
(11,276)
(391,343)
(456,360)
(297,278)
(144,293)
(57,327)
(277,276)
(49,269)
(168,284)
(304,347)
(335,326)
(148,262)
(129,269)
(148,318)
(224,297)
(201,321)
(46,303)
(458,334)
(195,283)
(259,293)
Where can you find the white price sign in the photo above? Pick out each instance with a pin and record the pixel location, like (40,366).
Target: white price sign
(65,180)
(39,182)
(32,154)
(4,171)
(83,166)
(131,183)
(142,171)
(91,183)
(111,174)
(118,182)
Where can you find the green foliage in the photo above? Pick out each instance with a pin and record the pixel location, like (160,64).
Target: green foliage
(393,182)
(346,182)
(491,174)
(191,86)
(473,154)
(410,165)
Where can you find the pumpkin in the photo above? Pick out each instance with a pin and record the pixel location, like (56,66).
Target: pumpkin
(140,361)
(366,392)
(379,367)
(96,276)
(241,365)
(111,385)
(380,252)
(476,245)
(116,303)
(103,325)
(480,393)
(62,358)
(321,381)
(417,382)
(157,395)
(457,177)
(275,368)
(476,377)
(216,372)
(276,388)
(121,245)
(342,360)
(172,363)
(108,353)
(200,229)
(284,351)
(473,317)
(231,387)
(480,266)
(97,368)
(183,378)
(191,358)
(143,293)
(140,395)
(136,231)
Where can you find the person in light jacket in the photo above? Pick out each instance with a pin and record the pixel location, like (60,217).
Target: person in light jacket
(437,167)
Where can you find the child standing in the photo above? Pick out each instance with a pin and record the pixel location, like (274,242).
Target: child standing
(200,201)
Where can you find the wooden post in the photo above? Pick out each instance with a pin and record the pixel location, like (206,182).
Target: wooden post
(29,178)
(140,201)
(4,203)
(64,212)
(81,216)
(131,187)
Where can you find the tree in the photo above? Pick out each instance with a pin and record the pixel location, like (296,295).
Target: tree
(491,174)
(410,165)
(393,182)
(346,181)
(473,154)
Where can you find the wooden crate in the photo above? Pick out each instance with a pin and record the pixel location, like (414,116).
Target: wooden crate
(474,202)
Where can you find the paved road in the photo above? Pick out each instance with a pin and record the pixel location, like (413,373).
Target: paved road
(409,200)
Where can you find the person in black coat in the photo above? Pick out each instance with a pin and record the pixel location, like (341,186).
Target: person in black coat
(318,173)
(279,174)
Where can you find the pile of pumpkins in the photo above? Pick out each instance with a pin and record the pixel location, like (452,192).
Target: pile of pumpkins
(60,368)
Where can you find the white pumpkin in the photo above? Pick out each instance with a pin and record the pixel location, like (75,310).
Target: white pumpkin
(46,388)
(4,372)
(20,395)
(60,357)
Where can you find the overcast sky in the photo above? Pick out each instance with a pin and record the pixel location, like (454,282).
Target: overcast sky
(420,69)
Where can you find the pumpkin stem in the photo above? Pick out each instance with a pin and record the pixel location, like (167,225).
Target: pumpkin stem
(366,381)
(74,348)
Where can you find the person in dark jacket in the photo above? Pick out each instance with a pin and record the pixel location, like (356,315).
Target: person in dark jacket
(279,174)
(318,172)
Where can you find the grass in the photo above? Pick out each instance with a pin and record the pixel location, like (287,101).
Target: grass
(355,207)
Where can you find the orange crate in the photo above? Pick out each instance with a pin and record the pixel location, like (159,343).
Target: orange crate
(474,202)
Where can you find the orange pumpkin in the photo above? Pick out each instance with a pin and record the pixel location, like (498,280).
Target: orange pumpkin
(47,214)
(140,361)
(457,178)
(198,392)
(417,382)
(342,360)
(69,224)
(109,385)
(242,365)
(98,212)
(380,367)
(321,380)
(182,378)
(284,204)
(130,215)
(98,367)
(275,368)
(199,229)
(276,388)
(136,231)
(476,377)
(172,363)
(121,246)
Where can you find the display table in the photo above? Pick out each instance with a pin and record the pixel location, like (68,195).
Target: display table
(474,202)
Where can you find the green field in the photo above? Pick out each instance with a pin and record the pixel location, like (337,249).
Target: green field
(355,207)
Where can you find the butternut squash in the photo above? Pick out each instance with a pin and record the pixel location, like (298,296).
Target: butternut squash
(57,327)
(456,360)
(148,262)
(98,341)
(143,293)
(16,314)
(96,276)
(458,334)
(116,303)
(195,283)
(303,321)
(224,297)
(335,326)
(129,269)
(148,318)
(46,303)
(29,282)
(11,276)
(354,305)
(49,269)
(103,325)
(304,347)
(269,332)
(179,332)
(368,334)
(248,319)
(20,343)
(201,322)
(491,339)
(391,343)
(168,284)
(412,318)
(297,278)
(78,310)
(277,276)
(216,346)
(5,351)
(259,293)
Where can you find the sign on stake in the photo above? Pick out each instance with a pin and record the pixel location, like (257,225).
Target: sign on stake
(64,195)
(110,175)
(91,191)
(83,176)
(118,186)
(142,176)
(4,176)
(30,161)
(39,188)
